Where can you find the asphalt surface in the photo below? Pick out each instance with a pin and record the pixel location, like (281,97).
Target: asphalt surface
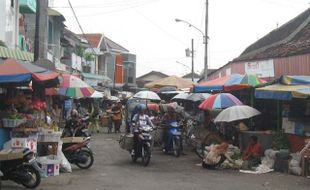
(113,170)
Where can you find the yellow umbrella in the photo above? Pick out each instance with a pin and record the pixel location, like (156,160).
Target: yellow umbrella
(175,81)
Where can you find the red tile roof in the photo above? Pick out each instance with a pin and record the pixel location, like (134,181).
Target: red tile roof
(93,39)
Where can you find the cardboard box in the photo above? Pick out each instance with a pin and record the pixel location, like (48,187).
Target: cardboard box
(50,165)
(11,154)
(30,143)
(73,139)
(49,136)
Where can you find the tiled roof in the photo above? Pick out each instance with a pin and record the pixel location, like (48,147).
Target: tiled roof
(189,75)
(293,38)
(160,74)
(93,39)
(114,46)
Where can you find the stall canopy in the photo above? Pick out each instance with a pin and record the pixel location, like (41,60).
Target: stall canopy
(174,81)
(18,72)
(229,83)
(286,88)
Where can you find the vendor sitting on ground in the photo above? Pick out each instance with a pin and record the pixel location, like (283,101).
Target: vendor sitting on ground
(252,154)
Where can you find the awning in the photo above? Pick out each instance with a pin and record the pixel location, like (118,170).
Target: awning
(96,77)
(17,54)
(281,92)
(20,72)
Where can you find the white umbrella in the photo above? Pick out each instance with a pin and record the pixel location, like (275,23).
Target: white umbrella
(195,97)
(148,95)
(181,96)
(235,113)
(97,94)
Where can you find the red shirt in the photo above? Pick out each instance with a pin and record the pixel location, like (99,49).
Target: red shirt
(254,149)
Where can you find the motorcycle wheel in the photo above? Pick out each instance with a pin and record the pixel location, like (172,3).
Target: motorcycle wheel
(176,147)
(89,162)
(35,177)
(146,156)
(134,158)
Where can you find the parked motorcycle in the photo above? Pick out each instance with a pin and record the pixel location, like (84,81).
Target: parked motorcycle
(174,139)
(78,128)
(24,170)
(79,153)
(144,145)
(1,175)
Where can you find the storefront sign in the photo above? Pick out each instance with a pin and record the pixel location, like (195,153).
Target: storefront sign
(262,69)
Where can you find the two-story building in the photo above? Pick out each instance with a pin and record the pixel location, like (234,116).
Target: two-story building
(13,43)
(111,60)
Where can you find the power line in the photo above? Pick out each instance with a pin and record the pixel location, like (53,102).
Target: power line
(81,27)
(111,5)
(161,28)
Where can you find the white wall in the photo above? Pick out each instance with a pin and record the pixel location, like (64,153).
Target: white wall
(9,27)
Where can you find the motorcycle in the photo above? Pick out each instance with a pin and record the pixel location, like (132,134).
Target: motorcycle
(24,170)
(76,128)
(79,153)
(144,145)
(174,139)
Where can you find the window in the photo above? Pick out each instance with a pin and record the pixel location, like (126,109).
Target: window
(12,3)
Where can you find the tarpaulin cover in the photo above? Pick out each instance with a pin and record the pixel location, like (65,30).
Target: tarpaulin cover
(13,71)
(229,83)
(288,88)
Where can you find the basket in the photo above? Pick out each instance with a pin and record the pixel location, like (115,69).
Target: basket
(12,122)
(126,141)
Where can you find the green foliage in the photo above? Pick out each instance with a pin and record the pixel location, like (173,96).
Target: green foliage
(2,43)
(80,51)
(89,56)
(280,141)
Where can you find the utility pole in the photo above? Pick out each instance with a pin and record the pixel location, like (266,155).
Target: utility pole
(206,41)
(36,35)
(41,30)
(192,60)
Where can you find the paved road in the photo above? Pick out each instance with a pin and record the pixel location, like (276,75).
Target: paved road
(113,170)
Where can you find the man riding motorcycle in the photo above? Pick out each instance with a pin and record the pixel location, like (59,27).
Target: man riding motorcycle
(139,119)
(73,124)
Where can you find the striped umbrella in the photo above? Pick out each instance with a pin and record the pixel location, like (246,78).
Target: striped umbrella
(243,81)
(74,87)
(220,101)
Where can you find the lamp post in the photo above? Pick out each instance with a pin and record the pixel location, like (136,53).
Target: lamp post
(205,40)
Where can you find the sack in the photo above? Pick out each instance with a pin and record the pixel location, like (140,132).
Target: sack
(126,141)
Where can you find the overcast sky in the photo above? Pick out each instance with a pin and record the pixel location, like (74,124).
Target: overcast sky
(148,29)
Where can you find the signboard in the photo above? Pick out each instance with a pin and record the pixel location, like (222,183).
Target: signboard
(68,104)
(262,69)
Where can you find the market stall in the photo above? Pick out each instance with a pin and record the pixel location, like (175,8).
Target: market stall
(23,107)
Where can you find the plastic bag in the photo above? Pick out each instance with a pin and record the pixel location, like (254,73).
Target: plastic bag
(65,165)
(295,170)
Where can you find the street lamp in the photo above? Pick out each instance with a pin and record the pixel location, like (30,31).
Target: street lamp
(205,41)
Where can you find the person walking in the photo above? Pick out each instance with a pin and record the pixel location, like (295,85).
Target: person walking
(117,117)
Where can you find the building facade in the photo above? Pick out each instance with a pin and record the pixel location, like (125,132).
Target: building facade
(284,51)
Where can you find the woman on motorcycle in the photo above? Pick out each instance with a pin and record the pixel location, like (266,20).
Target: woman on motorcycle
(168,117)
(139,119)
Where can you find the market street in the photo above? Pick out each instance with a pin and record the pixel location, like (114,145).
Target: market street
(113,170)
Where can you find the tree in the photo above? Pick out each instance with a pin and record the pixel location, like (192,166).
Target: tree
(2,44)
(89,56)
